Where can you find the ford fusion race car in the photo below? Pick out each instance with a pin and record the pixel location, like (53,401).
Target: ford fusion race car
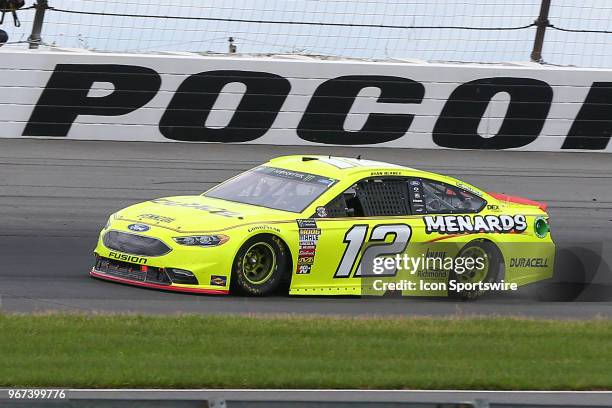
(321,225)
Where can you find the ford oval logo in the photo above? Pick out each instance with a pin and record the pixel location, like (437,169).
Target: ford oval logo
(138,227)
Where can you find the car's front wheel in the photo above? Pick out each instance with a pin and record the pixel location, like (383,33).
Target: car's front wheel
(259,266)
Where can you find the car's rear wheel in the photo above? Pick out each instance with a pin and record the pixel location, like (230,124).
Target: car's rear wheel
(487,269)
(259,266)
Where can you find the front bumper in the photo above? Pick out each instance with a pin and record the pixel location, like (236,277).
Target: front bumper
(136,265)
(174,288)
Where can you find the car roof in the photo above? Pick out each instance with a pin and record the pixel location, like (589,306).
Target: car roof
(339,167)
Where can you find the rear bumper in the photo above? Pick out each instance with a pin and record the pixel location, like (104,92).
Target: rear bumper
(173,288)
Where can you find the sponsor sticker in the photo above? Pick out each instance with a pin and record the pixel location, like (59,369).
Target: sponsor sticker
(307,223)
(416,197)
(295,175)
(457,224)
(529,263)
(308,238)
(303,269)
(218,280)
(310,231)
(305,260)
(306,252)
(322,212)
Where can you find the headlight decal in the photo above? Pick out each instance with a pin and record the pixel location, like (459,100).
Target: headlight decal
(202,240)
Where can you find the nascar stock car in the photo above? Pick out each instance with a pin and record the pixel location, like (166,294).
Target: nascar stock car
(323,225)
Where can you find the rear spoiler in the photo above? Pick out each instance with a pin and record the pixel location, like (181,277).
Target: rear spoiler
(519,200)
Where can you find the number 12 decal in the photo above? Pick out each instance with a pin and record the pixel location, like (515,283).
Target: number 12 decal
(355,239)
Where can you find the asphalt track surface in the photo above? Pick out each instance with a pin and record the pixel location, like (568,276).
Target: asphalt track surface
(55,195)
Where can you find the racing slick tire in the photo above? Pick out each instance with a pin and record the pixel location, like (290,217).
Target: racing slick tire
(490,272)
(259,266)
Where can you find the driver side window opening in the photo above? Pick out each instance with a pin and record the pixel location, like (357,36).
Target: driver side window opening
(346,204)
(441,198)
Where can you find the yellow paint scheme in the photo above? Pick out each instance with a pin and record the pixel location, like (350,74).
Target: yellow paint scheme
(199,215)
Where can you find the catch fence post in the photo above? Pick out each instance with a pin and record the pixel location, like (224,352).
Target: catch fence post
(35,38)
(541,24)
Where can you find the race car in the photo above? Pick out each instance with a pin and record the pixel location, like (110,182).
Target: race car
(324,225)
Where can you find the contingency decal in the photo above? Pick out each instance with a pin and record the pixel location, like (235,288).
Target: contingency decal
(417,198)
(308,238)
(303,269)
(307,223)
(453,224)
(218,280)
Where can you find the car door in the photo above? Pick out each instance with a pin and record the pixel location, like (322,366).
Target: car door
(371,219)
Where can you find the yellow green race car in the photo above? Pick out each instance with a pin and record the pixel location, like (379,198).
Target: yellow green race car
(324,225)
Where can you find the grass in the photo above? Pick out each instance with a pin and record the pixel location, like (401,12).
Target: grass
(303,352)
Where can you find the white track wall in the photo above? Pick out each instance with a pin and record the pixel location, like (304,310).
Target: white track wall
(284,101)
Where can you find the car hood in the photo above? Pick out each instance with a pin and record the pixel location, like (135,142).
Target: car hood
(189,214)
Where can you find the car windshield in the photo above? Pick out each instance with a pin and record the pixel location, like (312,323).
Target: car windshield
(275,188)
